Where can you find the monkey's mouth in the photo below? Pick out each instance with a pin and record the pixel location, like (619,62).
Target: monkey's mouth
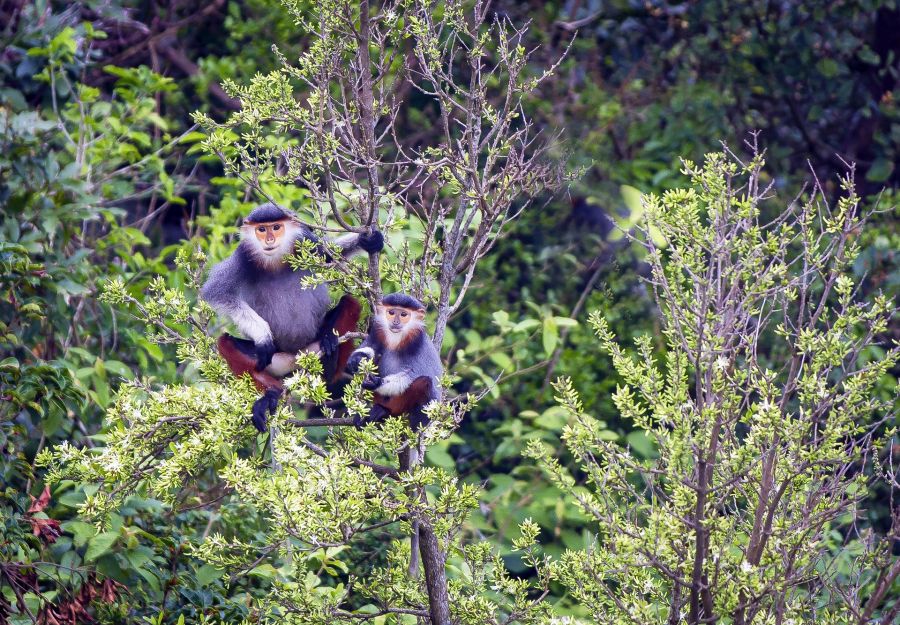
(396,329)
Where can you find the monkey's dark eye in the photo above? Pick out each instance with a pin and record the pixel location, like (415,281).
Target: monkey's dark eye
(261,229)
(276,227)
(404,314)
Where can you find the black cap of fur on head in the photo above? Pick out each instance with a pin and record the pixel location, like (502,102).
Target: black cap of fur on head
(403,300)
(268,212)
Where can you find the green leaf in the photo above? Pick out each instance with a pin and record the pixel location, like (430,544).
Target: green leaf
(439,457)
(526,324)
(880,170)
(207,574)
(607,435)
(119,368)
(193,137)
(502,360)
(641,444)
(550,337)
(150,578)
(632,199)
(829,68)
(265,571)
(554,418)
(67,286)
(81,531)
(73,499)
(100,545)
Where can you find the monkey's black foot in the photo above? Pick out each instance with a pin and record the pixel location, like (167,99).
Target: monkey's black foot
(264,353)
(268,403)
(372,243)
(418,419)
(376,414)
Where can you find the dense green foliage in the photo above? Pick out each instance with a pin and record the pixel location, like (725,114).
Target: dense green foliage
(113,203)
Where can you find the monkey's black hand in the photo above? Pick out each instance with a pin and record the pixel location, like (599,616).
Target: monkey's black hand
(372,243)
(268,403)
(355,360)
(264,353)
(328,342)
(371,382)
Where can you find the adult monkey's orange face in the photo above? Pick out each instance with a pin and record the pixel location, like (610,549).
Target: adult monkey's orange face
(270,234)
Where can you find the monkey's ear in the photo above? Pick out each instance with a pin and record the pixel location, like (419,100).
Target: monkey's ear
(419,314)
(379,309)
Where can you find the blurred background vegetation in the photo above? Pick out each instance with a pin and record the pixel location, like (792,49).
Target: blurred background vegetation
(100,177)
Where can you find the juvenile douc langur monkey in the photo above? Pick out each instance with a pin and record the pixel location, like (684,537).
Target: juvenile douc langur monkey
(263,296)
(409,365)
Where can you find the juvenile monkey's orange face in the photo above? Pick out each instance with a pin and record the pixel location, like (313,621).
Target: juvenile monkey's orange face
(270,235)
(399,320)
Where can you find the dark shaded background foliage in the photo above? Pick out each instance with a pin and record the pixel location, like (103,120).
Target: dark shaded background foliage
(644,83)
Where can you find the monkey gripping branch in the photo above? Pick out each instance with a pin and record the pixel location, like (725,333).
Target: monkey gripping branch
(442,202)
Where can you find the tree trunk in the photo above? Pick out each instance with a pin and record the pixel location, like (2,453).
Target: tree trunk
(435,574)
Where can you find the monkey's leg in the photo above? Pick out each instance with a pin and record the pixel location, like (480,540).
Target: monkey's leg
(267,404)
(410,401)
(395,405)
(241,359)
(339,320)
(282,364)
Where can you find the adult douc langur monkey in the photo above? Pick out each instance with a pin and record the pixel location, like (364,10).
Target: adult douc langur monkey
(263,296)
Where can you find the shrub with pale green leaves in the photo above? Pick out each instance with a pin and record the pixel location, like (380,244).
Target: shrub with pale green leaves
(771,417)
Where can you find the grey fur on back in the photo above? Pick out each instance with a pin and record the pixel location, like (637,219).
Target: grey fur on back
(293,313)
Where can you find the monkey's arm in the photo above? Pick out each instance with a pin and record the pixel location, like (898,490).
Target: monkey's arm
(369,349)
(222,292)
(352,244)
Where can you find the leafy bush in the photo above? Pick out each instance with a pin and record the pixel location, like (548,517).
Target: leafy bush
(769,419)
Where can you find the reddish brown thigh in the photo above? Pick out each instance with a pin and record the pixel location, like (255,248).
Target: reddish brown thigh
(241,363)
(417,394)
(348,311)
